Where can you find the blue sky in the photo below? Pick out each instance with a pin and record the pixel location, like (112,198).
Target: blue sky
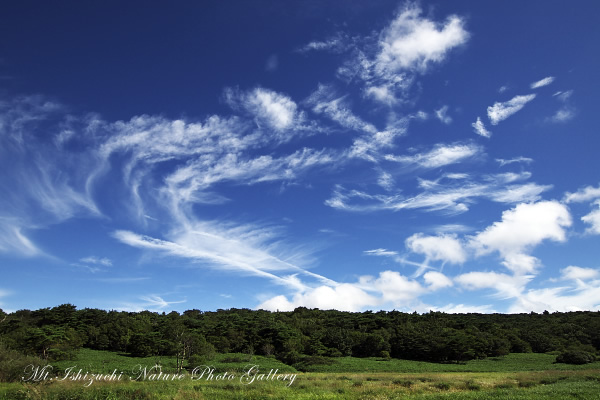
(347,155)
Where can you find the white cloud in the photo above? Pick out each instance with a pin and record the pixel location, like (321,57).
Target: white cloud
(383,93)
(413,42)
(504,162)
(39,183)
(480,129)
(253,250)
(381,252)
(436,280)
(563,115)
(389,289)
(519,193)
(563,96)
(324,100)
(393,287)
(269,108)
(344,297)
(337,43)
(521,228)
(151,302)
(587,193)
(445,248)
(13,240)
(440,155)
(573,272)
(388,64)
(500,111)
(593,219)
(452,198)
(466,309)
(386,180)
(506,286)
(542,82)
(562,299)
(106,262)
(442,115)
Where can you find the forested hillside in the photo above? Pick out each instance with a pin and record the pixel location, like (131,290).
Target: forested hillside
(56,333)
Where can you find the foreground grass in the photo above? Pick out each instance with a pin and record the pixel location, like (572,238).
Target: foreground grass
(488,385)
(516,376)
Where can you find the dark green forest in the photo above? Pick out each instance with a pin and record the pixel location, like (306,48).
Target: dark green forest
(303,334)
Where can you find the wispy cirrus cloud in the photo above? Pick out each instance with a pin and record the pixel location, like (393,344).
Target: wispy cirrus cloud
(337,43)
(579,290)
(593,220)
(451,198)
(503,162)
(441,155)
(36,191)
(502,110)
(151,302)
(542,82)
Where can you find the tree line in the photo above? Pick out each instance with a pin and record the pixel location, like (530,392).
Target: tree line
(58,332)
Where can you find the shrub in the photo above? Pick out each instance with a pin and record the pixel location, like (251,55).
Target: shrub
(577,357)
(13,364)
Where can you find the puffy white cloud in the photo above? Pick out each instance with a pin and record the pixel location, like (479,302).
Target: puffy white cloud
(542,82)
(436,280)
(480,129)
(413,42)
(343,297)
(445,248)
(393,287)
(389,289)
(275,110)
(500,111)
(593,219)
(384,93)
(409,45)
(524,226)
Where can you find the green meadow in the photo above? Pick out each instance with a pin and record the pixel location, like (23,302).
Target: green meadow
(515,376)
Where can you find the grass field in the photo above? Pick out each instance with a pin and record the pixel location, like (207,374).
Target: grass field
(516,376)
